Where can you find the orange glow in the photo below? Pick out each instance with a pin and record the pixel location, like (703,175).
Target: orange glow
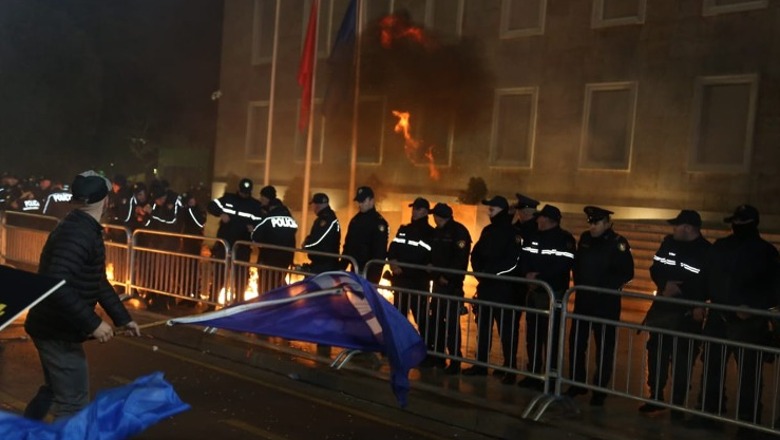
(225,295)
(110,271)
(386,293)
(411,145)
(394,28)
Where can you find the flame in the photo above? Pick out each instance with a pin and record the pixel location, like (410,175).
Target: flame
(397,27)
(387,293)
(110,271)
(226,295)
(412,145)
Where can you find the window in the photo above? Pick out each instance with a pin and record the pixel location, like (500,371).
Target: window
(608,126)
(434,131)
(715,7)
(257,131)
(318,138)
(372,114)
(514,127)
(617,12)
(724,115)
(375,9)
(263,31)
(444,16)
(520,18)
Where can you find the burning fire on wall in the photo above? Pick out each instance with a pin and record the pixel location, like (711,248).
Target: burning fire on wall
(412,145)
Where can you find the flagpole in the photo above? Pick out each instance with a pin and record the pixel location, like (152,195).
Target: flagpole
(310,131)
(355,105)
(271,99)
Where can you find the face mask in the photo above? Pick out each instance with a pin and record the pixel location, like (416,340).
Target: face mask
(744,230)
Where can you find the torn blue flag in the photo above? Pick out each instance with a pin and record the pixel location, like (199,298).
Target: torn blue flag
(333,308)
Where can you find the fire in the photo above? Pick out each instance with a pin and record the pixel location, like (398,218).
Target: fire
(225,295)
(398,27)
(110,271)
(412,145)
(387,293)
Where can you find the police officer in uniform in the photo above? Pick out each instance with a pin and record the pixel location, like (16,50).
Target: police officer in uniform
(162,218)
(603,260)
(325,236)
(192,219)
(450,248)
(138,209)
(742,269)
(676,272)
(496,252)
(57,204)
(412,244)
(524,219)
(277,228)
(548,255)
(238,212)
(367,235)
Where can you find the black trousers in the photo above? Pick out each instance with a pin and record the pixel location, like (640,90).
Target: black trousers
(667,353)
(445,316)
(579,339)
(416,302)
(507,320)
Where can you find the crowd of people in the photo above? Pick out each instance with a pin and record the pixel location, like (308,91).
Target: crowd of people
(522,241)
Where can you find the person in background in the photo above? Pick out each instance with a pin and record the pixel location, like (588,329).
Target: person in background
(324,236)
(367,235)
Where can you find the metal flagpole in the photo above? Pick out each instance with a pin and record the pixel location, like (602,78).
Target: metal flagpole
(355,105)
(310,134)
(271,98)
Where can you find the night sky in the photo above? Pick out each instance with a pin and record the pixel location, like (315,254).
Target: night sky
(80,79)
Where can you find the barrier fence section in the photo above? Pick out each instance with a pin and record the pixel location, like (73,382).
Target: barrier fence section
(459,327)
(24,235)
(117,241)
(715,362)
(174,265)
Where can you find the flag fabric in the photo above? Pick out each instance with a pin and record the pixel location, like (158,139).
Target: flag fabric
(340,62)
(115,414)
(306,68)
(332,308)
(20,290)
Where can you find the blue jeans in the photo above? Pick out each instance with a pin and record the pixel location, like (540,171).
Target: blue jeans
(66,382)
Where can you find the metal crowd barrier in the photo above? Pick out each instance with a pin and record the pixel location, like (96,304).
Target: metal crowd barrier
(725,376)
(23,237)
(172,265)
(432,311)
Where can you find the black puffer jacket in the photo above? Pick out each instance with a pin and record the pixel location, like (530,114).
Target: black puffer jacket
(75,252)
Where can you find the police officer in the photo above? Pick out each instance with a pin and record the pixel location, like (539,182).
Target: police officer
(742,269)
(267,195)
(277,228)
(496,252)
(450,248)
(192,219)
(138,208)
(367,235)
(676,272)
(57,203)
(548,255)
(238,212)
(325,235)
(603,260)
(163,215)
(412,244)
(524,219)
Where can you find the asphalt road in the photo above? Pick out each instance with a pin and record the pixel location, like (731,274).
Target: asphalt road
(229,400)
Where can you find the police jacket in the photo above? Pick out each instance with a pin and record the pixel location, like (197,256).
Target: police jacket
(136,216)
(57,204)
(164,218)
(524,230)
(450,247)
(681,261)
(743,271)
(603,261)
(550,253)
(279,229)
(325,236)
(367,239)
(118,205)
(75,253)
(243,212)
(412,244)
(496,251)
(192,219)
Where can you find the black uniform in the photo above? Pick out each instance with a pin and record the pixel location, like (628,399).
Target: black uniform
(278,228)
(741,269)
(606,262)
(325,236)
(496,252)
(412,244)
(57,204)
(678,261)
(549,253)
(243,212)
(367,240)
(450,248)
(192,219)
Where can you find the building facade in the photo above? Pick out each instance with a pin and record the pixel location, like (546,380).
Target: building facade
(660,105)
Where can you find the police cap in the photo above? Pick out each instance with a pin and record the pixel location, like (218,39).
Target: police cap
(595,213)
(686,217)
(497,201)
(442,210)
(420,202)
(525,202)
(319,198)
(551,212)
(245,186)
(363,193)
(743,214)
